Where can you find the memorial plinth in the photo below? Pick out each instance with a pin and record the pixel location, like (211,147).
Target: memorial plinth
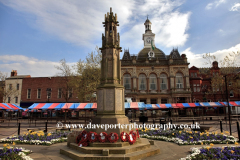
(110,108)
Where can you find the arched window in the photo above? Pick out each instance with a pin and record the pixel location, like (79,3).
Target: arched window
(153,82)
(127,81)
(142,82)
(163,82)
(179,80)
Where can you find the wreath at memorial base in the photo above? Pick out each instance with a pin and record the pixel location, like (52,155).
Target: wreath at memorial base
(92,136)
(113,137)
(80,136)
(102,137)
(124,136)
(84,139)
(132,136)
(133,133)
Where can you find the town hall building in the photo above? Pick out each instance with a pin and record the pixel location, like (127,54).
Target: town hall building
(154,77)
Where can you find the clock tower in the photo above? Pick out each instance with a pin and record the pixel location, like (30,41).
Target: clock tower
(148,36)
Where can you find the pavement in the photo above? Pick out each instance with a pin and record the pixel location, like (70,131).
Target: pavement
(168,150)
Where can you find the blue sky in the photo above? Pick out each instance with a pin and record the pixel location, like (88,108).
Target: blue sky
(36,35)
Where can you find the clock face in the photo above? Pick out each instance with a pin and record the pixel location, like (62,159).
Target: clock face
(148,40)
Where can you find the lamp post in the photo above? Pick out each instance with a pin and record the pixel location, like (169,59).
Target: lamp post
(229,109)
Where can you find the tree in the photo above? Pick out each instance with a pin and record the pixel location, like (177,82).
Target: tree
(65,80)
(88,74)
(229,67)
(6,91)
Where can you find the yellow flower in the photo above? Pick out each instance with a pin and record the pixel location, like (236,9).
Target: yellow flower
(232,151)
(190,137)
(30,131)
(208,148)
(190,132)
(211,144)
(49,134)
(226,132)
(5,145)
(236,143)
(201,143)
(221,132)
(196,131)
(8,147)
(172,133)
(156,128)
(14,143)
(180,132)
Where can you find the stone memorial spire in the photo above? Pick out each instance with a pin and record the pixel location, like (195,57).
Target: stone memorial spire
(110,94)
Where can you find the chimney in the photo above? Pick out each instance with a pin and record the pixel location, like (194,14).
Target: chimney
(14,73)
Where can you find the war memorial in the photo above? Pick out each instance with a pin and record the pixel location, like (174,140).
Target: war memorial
(110,110)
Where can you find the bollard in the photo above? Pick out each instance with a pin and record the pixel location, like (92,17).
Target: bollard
(19,128)
(171,121)
(69,125)
(238,131)
(160,121)
(46,127)
(221,126)
(154,123)
(193,121)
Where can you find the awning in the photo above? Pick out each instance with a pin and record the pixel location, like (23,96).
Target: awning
(134,105)
(211,104)
(232,103)
(152,106)
(8,107)
(62,106)
(187,105)
(18,107)
(11,106)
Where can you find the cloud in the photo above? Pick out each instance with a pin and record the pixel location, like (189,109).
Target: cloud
(236,7)
(28,66)
(214,4)
(168,23)
(77,22)
(80,22)
(198,61)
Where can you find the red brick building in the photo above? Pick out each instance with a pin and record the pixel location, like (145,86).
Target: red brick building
(202,90)
(46,89)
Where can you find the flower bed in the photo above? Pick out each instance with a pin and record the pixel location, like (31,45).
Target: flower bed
(208,152)
(9,152)
(188,137)
(38,138)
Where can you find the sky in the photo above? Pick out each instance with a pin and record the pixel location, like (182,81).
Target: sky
(36,34)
